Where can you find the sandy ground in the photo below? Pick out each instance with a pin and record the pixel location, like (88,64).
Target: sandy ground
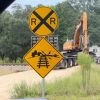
(8,81)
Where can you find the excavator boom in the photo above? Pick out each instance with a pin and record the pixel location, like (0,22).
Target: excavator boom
(81,35)
(77,35)
(80,41)
(85,31)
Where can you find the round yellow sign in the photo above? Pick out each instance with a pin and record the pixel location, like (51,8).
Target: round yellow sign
(43,21)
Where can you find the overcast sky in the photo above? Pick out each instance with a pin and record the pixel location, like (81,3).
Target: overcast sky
(36,2)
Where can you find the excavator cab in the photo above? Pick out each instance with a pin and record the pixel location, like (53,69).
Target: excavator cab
(68,45)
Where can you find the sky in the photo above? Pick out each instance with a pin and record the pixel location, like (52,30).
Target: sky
(36,2)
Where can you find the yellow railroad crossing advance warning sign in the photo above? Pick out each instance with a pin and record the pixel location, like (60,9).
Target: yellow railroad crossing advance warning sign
(43,57)
(43,21)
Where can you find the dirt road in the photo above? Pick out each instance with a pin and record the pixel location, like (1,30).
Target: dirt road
(7,81)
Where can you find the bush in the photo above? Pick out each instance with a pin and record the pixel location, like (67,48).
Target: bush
(24,90)
(85,61)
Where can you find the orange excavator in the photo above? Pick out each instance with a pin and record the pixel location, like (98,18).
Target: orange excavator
(80,43)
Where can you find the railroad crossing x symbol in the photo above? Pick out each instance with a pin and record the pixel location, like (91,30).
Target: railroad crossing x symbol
(43,21)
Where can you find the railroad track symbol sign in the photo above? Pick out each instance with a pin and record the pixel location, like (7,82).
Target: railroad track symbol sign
(43,21)
(43,57)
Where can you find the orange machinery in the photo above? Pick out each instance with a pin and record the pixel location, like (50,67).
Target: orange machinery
(80,41)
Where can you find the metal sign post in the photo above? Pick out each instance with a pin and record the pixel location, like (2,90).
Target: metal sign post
(43,87)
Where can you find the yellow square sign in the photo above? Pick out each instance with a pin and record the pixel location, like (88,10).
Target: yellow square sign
(43,57)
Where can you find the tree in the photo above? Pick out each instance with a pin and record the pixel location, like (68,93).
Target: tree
(15,37)
(20,36)
(67,19)
(4,31)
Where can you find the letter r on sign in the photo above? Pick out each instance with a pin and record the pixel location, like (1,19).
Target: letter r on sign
(52,20)
(33,21)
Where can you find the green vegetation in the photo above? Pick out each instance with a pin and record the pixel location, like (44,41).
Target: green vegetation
(22,90)
(85,61)
(69,88)
(15,36)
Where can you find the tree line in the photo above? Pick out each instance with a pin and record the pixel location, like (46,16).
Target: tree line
(15,35)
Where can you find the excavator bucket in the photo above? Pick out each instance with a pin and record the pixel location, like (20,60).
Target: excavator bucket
(4,4)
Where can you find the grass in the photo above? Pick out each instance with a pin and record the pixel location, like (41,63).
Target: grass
(85,61)
(63,89)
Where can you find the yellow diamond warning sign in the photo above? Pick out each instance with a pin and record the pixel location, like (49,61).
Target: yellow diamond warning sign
(43,57)
(43,21)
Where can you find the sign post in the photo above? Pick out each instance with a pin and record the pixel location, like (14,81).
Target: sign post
(43,56)
(43,87)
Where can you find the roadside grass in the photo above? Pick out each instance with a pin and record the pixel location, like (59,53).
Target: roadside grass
(68,88)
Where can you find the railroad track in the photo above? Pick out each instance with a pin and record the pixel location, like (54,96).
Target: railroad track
(11,64)
(15,67)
